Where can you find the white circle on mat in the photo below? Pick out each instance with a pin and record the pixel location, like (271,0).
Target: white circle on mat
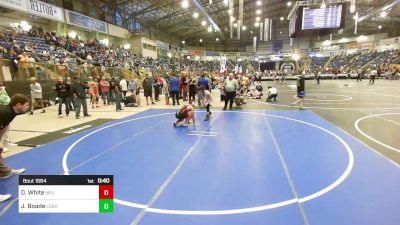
(356,125)
(331,108)
(345,98)
(317,194)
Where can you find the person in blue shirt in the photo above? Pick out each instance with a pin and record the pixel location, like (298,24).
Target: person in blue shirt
(203,81)
(174,89)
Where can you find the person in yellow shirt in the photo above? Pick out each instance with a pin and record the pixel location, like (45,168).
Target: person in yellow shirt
(23,65)
(245,80)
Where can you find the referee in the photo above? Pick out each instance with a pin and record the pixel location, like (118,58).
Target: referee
(230,87)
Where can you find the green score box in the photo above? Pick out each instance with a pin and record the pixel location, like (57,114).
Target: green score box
(106,205)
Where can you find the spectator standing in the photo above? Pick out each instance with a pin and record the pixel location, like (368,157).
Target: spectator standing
(174,89)
(23,65)
(372,76)
(318,76)
(166,91)
(148,88)
(63,89)
(379,72)
(133,86)
(124,86)
(31,66)
(11,55)
(112,90)
(138,86)
(192,90)
(156,86)
(183,86)
(5,100)
(118,95)
(105,90)
(70,98)
(36,95)
(99,90)
(79,91)
(300,91)
(359,74)
(19,104)
(203,81)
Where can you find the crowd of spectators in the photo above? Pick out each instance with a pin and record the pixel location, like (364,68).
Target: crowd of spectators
(25,47)
(52,49)
(340,61)
(362,59)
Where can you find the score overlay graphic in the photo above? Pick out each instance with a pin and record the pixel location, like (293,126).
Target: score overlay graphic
(66,194)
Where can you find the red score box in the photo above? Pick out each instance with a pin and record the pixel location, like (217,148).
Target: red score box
(106,192)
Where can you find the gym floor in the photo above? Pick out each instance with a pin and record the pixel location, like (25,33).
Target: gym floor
(336,162)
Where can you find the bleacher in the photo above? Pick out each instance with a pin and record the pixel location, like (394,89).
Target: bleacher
(317,63)
(341,61)
(37,46)
(387,57)
(362,59)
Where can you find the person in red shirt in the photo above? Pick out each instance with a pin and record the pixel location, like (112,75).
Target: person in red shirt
(184,115)
(183,86)
(105,90)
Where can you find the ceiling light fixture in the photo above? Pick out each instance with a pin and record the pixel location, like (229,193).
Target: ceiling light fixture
(258,11)
(244,27)
(185,4)
(196,15)
(203,23)
(258,3)
(72,34)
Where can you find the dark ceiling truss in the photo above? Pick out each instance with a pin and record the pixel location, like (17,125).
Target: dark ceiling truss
(150,8)
(169,16)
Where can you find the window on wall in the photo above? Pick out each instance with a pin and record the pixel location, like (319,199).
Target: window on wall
(149,47)
(118,19)
(134,26)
